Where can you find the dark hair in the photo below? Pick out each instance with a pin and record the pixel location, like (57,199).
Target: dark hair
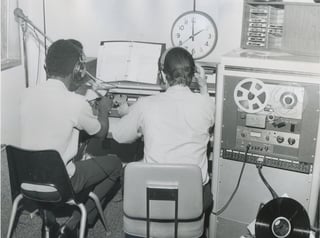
(178,66)
(62,56)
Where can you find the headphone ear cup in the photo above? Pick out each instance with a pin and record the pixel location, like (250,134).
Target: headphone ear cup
(79,70)
(162,58)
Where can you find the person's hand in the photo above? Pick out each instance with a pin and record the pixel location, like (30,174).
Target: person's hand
(201,79)
(123,109)
(120,102)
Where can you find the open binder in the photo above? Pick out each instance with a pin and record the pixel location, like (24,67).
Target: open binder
(129,64)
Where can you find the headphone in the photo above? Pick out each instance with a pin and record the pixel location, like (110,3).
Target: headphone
(161,65)
(163,57)
(79,69)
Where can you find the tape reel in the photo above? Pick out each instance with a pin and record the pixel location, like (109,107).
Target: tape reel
(250,95)
(288,101)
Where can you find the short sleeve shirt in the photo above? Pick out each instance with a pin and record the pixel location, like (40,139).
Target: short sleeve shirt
(51,117)
(174,124)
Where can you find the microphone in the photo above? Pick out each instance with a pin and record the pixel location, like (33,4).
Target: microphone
(19,13)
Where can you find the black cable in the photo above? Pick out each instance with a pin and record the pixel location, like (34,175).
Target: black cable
(237,186)
(273,193)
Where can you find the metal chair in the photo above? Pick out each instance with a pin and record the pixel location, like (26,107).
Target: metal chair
(41,176)
(162,200)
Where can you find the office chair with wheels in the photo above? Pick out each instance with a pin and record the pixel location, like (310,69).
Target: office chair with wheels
(41,176)
(162,200)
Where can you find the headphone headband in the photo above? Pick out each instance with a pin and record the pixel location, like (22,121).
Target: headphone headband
(163,57)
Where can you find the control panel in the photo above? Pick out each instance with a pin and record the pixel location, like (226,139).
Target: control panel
(132,91)
(277,120)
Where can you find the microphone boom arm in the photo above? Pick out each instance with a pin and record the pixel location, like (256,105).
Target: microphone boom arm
(19,14)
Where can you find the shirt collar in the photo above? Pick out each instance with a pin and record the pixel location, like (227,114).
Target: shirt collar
(55,83)
(178,88)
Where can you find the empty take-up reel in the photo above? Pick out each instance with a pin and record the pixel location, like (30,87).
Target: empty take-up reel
(250,95)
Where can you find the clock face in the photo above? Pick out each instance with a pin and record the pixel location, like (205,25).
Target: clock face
(196,32)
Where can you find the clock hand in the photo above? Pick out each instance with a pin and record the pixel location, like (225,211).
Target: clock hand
(192,29)
(197,33)
(192,36)
(187,39)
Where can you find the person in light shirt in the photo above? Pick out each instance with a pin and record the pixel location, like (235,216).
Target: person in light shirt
(52,115)
(176,125)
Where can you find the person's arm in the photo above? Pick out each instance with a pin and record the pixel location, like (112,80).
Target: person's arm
(104,105)
(201,80)
(128,128)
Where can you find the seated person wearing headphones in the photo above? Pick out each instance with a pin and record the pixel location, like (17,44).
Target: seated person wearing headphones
(176,124)
(52,115)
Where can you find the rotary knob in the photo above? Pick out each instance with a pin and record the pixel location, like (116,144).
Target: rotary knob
(280,139)
(291,141)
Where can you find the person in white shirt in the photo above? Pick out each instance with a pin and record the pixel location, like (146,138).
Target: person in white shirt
(52,115)
(176,125)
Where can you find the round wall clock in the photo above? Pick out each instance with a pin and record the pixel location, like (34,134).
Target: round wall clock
(195,31)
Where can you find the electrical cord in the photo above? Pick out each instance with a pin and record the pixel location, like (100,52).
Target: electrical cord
(237,186)
(273,193)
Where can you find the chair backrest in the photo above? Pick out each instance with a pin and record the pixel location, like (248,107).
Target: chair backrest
(157,178)
(38,175)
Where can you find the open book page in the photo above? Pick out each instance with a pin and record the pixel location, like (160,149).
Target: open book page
(128,61)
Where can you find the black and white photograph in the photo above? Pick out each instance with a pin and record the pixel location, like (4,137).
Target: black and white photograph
(160,119)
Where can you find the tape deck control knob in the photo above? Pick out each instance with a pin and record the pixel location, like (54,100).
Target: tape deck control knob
(291,141)
(280,139)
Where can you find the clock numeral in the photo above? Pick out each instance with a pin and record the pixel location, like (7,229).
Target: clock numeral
(180,42)
(178,35)
(193,51)
(186,47)
(210,36)
(207,43)
(181,27)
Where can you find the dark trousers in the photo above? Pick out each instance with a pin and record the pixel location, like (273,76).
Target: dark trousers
(207,204)
(101,173)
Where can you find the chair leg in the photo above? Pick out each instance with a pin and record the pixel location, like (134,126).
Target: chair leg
(45,229)
(83,220)
(98,204)
(13,213)
(47,232)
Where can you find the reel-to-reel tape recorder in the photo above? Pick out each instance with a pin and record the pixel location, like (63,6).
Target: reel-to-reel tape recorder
(277,119)
(267,118)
